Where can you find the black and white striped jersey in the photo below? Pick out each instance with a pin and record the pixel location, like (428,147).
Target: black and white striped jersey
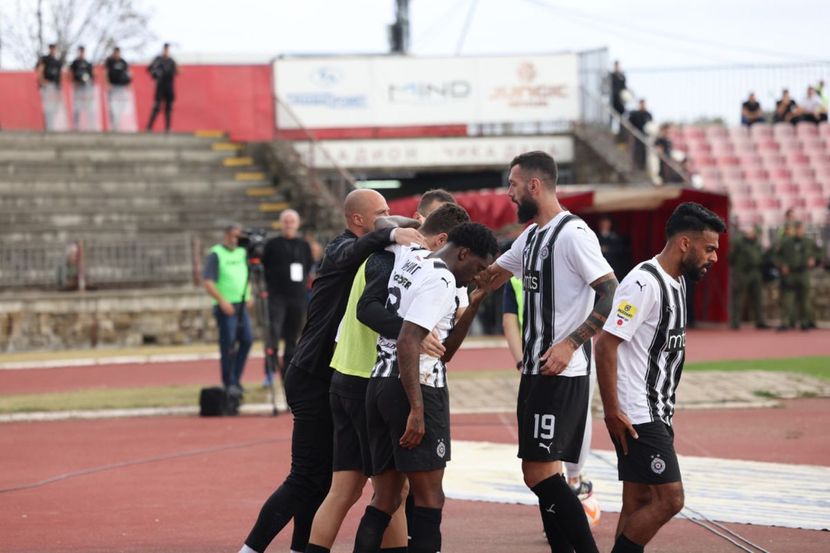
(649,314)
(422,291)
(557,264)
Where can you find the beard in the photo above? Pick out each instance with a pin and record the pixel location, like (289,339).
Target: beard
(692,270)
(527,210)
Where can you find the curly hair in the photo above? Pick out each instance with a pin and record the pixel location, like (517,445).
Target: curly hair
(693,217)
(476,237)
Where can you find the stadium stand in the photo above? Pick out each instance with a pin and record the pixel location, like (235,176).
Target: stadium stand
(764,169)
(140,202)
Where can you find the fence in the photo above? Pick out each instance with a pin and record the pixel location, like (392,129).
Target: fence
(100,263)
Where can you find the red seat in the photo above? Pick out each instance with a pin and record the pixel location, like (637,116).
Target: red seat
(739,133)
(785,187)
(703,161)
(763,189)
(722,147)
(759,131)
(768,146)
(728,161)
(803,173)
(744,204)
(772,159)
(789,144)
(755,173)
(805,128)
(715,130)
(796,202)
(811,188)
(698,148)
(732,173)
(816,201)
(819,158)
(813,143)
(692,131)
(797,158)
(824,130)
(750,159)
(780,173)
(782,129)
(768,203)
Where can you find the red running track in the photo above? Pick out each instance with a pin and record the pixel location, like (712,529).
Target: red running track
(195,485)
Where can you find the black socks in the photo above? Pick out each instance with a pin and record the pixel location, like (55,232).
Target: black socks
(370,532)
(557,540)
(425,534)
(625,545)
(559,504)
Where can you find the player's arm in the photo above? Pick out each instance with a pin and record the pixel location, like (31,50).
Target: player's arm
(462,325)
(392,221)
(557,358)
(409,341)
(616,421)
(351,253)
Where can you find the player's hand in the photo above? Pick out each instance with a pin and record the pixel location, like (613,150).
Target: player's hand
(485,281)
(557,358)
(226,308)
(431,345)
(785,270)
(415,429)
(409,236)
(618,426)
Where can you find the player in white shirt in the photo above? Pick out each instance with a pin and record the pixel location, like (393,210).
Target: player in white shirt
(640,356)
(568,287)
(407,404)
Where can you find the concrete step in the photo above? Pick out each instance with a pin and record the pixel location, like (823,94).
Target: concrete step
(129,188)
(50,156)
(15,139)
(210,232)
(75,202)
(115,168)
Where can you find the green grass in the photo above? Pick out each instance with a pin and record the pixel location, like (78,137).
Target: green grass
(122,398)
(175,396)
(818,367)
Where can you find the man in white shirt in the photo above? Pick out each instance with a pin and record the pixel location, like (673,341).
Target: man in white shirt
(568,287)
(407,402)
(640,356)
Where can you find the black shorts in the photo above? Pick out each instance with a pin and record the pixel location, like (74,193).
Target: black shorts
(387,409)
(551,412)
(651,458)
(348,411)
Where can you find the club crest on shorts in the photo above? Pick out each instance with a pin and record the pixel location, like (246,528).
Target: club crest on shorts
(658,465)
(441,450)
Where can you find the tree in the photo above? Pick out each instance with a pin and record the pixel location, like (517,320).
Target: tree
(99,25)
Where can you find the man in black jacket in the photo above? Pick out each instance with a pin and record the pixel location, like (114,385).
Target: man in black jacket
(83,93)
(308,376)
(164,71)
(287,262)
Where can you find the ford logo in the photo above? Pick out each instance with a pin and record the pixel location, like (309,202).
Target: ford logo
(326,76)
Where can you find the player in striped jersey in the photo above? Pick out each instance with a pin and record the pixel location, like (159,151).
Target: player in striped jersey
(568,288)
(407,403)
(640,356)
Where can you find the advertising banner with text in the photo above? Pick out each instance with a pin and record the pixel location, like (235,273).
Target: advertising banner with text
(390,91)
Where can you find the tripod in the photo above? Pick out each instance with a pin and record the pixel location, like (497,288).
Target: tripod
(256,279)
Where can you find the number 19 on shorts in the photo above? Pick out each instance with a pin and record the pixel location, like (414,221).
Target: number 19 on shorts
(543,426)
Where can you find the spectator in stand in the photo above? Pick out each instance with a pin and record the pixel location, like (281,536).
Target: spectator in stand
(287,261)
(164,71)
(786,109)
(751,111)
(639,118)
(83,91)
(617,79)
(119,79)
(812,109)
(664,145)
(67,272)
(614,247)
(48,71)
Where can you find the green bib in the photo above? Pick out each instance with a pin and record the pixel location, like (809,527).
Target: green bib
(356,350)
(520,300)
(233,274)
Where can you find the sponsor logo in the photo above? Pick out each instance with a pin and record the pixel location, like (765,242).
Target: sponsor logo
(402,280)
(327,100)
(658,465)
(325,76)
(625,312)
(528,93)
(441,450)
(429,93)
(447,283)
(551,509)
(546,447)
(640,285)
(530,281)
(676,341)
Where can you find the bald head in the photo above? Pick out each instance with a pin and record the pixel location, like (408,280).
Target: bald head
(361,208)
(289,223)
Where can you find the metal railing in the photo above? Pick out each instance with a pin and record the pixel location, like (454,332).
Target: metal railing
(88,263)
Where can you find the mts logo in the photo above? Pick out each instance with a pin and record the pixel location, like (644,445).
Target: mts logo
(676,341)
(530,281)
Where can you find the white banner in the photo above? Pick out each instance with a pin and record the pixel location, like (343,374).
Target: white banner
(387,91)
(487,152)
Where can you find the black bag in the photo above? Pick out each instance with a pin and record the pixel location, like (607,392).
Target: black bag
(217,402)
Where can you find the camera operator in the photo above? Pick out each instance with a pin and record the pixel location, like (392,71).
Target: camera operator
(83,92)
(226,280)
(163,69)
(287,261)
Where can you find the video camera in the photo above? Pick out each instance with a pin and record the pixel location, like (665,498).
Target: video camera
(253,240)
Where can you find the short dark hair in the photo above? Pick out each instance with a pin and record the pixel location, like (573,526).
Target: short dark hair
(476,237)
(166,45)
(539,162)
(693,217)
(444,219)
(434,195)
